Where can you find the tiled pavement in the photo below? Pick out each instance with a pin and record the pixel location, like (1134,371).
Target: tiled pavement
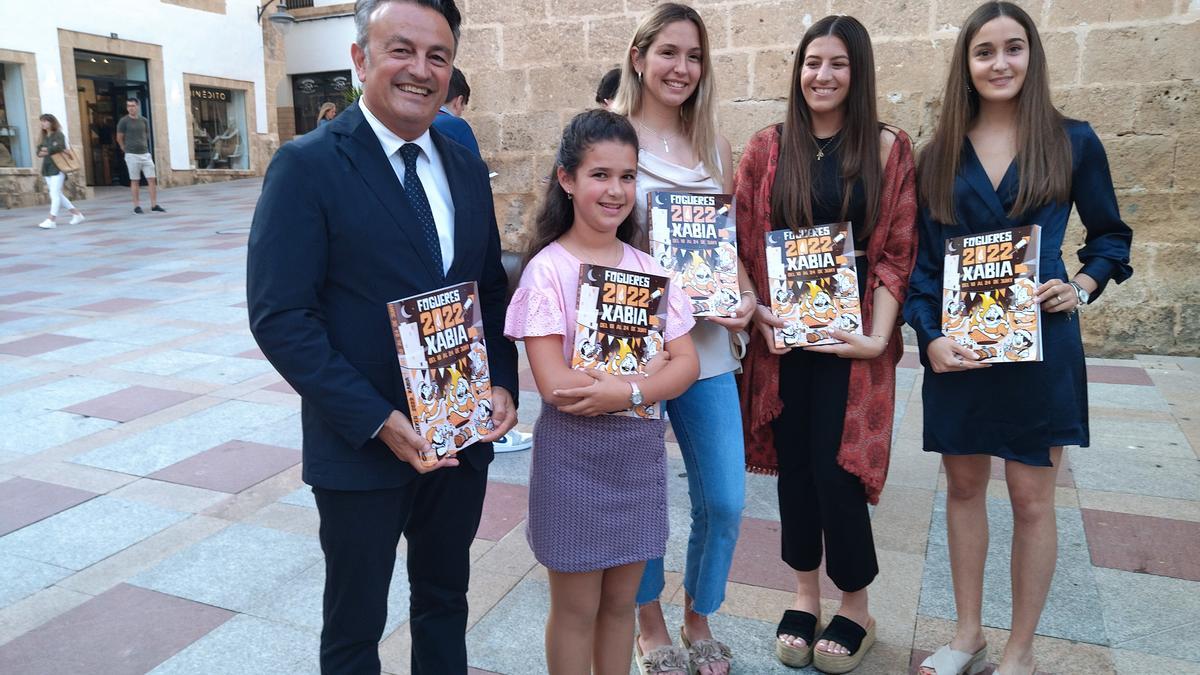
(152,518)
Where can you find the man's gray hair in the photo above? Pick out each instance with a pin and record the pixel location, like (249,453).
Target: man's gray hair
(363,9)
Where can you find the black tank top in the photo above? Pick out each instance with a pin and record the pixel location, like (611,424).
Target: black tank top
(828,190)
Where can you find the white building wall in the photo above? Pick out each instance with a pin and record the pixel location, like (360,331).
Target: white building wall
(316,46)
(193,41)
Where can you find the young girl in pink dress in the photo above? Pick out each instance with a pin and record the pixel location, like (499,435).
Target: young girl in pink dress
(597,484)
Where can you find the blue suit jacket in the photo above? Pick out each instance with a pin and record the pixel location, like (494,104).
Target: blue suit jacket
(457,129)
(332,242)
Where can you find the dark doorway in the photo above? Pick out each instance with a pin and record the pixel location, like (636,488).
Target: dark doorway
(105,82)
(310,90)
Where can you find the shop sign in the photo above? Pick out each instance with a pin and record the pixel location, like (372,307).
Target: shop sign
(210,94)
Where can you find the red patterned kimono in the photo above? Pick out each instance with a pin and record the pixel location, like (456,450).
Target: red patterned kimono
(867,431)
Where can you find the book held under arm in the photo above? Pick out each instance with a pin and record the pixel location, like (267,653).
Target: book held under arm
(813,282)
(989,291)
(620,321)
(693,236)
(444,362)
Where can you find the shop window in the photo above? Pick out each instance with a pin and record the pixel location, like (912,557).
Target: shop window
(219,135)
(14,123)
(311,90)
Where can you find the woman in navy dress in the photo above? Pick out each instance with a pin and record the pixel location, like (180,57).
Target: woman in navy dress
(1003,157)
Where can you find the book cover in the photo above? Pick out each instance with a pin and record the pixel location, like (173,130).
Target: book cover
(694,237)
(444,362)
(989,287)
(813,284)
(619,324)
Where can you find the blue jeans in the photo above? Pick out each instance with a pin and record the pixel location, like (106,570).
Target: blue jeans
(708,426)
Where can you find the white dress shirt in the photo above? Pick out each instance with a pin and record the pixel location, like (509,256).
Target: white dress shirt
(432,174)
(433,179)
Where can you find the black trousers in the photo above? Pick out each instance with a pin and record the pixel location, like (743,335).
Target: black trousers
(438,514)
(816,496)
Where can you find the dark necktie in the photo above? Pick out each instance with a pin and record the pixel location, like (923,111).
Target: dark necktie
(420,204)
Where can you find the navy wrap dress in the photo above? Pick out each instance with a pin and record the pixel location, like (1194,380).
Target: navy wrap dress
(1018,411)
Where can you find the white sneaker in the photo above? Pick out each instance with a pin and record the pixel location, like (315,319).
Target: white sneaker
(513,441)
(47,224)
(77,219)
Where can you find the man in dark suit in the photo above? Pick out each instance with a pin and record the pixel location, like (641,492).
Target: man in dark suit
(370,208)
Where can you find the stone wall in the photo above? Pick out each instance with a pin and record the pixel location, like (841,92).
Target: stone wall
(1127,66)
(285,118)
(24,187)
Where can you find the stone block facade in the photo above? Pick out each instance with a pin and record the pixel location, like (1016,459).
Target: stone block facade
(26,187)
(1127,66)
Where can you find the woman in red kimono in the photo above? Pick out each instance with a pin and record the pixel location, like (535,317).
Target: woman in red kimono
(821,417)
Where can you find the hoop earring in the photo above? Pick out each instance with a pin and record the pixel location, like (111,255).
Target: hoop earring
(570,196)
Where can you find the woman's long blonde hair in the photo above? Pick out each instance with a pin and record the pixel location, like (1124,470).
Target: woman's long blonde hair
(325,107)
(699,111)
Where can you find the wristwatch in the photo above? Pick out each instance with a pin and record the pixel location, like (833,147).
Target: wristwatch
(1081,293)
(636,397)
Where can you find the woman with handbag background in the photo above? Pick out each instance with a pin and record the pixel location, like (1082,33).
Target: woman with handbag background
(53,150)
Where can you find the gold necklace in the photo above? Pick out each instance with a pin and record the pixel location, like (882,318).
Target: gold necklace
(821,148)
(666,148)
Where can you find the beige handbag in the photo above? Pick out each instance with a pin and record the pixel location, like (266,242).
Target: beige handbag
(66,161)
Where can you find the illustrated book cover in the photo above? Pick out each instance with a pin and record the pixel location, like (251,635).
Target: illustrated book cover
(443,358)
(813,284)
(989,288)
(694,237)
(620,321)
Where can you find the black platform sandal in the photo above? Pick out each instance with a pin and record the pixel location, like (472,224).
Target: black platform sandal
(850,635)
(797,624)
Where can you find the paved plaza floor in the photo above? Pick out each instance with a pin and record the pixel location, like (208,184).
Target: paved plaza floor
(152,517)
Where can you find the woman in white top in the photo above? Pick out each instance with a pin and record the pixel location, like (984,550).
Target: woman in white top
(667,91)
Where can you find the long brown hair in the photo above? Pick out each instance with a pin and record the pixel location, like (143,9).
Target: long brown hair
(699,111)
(791,194)
(557,213)
(55,127)
(1043,150)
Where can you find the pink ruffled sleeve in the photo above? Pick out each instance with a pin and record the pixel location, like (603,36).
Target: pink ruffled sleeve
(532,313)
(679,313)
(535,308)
